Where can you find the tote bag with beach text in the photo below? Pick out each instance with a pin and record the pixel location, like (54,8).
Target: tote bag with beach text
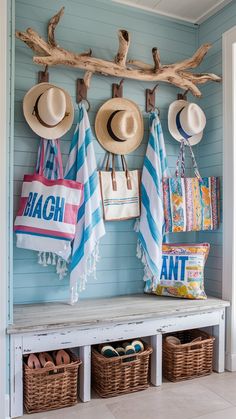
(47,215)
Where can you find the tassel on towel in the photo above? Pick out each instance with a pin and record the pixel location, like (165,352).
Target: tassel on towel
(48,258)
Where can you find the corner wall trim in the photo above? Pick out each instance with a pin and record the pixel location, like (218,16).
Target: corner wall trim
(229,189)
(4,207)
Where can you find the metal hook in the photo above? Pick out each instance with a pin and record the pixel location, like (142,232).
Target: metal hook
(117,89)
(81,93)
(157,110)
(150,99)
(121,82)
(43,76)
(154,88)
(88,104)
(183,96)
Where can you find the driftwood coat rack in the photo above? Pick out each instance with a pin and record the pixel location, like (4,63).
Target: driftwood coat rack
(51,54)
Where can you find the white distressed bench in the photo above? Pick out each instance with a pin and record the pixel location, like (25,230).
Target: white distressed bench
(50,326)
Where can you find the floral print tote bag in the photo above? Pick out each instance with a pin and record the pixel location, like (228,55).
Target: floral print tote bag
(190,204)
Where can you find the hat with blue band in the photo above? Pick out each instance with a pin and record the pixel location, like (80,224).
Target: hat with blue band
(186,121)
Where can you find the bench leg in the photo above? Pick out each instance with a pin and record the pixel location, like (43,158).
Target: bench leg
(219,344)
(85,374)
(156,360)
(16,376)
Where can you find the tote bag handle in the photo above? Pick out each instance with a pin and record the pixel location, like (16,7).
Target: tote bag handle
(113,171)
(180,164)
(41,158)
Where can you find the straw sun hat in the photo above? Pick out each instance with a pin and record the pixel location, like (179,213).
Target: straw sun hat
(48,110)
(186,120)
(119,126)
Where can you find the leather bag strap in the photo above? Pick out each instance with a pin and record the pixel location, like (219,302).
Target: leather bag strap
(113,174)
(127,172)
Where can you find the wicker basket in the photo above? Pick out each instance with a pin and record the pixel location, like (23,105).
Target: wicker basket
(51,387)
(190,359)
(120,375)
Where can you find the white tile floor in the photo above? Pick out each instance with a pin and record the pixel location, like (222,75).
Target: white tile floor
(212,397)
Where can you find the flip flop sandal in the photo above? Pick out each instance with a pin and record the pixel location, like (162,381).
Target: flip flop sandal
(124,344)
(173,340)
(109,352)
(49,364)
(196,339)
(138,345)
(120,350)
(33,362)
(129,350)
(45,357)
(62,357)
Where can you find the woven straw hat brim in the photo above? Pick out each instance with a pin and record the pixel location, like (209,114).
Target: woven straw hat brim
(44,132)
(106,141)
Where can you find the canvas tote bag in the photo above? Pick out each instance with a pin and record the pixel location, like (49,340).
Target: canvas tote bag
(47,215)
(190,204)
(120,191)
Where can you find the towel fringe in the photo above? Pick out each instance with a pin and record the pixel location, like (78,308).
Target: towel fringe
(78,285)
(148,275)
(49,258)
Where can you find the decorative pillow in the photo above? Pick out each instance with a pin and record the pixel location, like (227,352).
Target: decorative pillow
(182,273)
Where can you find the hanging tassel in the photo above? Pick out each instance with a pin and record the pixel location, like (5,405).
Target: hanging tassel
(58,266)
(49,260)
(64,269)
(40,261)
(54,259)
(44,259)
(136,225)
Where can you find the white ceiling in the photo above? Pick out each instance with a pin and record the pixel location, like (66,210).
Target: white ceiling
(193,11)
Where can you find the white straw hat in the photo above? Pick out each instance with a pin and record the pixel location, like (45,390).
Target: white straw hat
(119,126)
(186,120)
(49,110)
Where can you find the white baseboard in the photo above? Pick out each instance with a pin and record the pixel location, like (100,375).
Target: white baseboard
(230,362)
(7,406)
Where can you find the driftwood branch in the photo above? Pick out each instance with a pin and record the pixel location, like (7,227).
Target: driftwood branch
(87,78)
(156,59)
(51,54)
(53,22)
(124,41)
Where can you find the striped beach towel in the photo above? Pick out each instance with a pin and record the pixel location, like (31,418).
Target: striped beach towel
(81,166)
(151,225)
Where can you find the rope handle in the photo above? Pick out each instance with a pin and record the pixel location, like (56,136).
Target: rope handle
(195,166)
(180,164)
(181,161)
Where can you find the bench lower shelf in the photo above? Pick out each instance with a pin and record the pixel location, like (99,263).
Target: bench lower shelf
(93,322)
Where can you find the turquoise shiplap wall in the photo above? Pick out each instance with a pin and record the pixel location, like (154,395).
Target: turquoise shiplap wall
(210,152)
(91,24)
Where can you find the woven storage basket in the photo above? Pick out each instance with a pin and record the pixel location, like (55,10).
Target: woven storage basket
(51,387)
(188,360)
(120,375)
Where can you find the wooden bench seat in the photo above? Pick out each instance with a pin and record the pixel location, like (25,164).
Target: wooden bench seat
(50,326)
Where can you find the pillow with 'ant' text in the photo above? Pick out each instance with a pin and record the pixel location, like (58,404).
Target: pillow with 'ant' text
(182,273)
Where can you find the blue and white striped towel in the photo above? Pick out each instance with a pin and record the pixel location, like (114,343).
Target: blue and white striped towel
(81,166)
(150,228)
